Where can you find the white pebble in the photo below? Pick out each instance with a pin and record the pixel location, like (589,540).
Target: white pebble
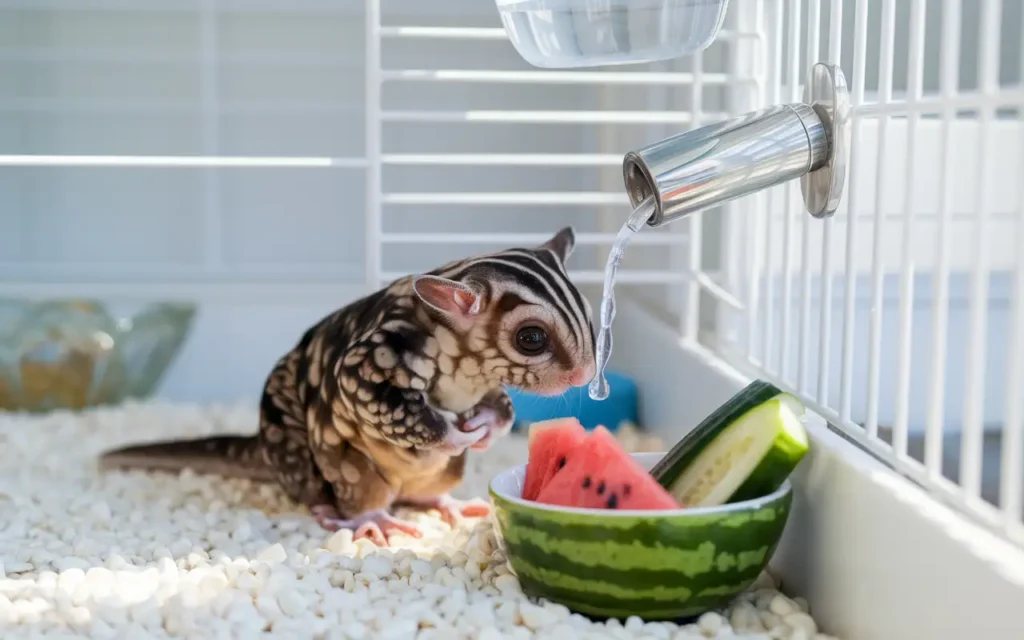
(398,629)
(341,542)
(481,614)
(764,581)
(117,555)
(782,606)
(770,620)
(292,603)
(356,631)
(273,554)
(520,633)
(578,622)
(18,567)
(507,612)
(507,585)
(763,598)
(378,565)
(802,622)
(656,630)
(536,617)
(64,564)
(79,618)
(744,618)
(453,605)
(489,633)
(69,580)
(711,623)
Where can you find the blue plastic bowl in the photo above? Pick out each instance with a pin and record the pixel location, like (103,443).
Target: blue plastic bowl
(621,405)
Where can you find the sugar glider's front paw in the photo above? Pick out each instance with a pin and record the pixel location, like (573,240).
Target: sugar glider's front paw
(494,413)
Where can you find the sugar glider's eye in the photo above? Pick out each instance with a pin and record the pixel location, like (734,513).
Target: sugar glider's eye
(531,340)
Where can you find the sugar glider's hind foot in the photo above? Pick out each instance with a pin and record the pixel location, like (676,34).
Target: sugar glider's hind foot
(225,456)
(378,526)
(451,509)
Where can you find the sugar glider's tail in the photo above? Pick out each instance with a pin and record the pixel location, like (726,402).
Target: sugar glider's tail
(226,456)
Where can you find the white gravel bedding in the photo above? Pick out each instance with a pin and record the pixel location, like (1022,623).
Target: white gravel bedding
(131,555)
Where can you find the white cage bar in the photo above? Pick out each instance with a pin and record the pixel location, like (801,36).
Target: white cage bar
(883,203)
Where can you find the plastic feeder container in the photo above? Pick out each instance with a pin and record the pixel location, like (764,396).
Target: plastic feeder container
(622,404)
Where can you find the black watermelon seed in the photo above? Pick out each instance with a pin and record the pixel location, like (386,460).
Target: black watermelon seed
(613,501)
(586,481)
(600,488)
(626,489)
(561,462)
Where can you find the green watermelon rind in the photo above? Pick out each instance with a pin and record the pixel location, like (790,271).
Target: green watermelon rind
(672,463)
(658,565)
(769,472)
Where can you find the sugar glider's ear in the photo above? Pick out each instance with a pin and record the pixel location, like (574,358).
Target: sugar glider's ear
(456,301)
(562,243)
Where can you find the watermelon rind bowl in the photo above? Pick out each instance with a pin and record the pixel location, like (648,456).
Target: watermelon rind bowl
(657,565)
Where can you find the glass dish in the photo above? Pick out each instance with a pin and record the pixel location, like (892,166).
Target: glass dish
(73,353)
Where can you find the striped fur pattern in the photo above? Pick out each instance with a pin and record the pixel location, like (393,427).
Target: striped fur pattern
(379,401)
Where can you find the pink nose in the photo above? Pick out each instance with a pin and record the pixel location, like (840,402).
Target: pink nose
(580,376)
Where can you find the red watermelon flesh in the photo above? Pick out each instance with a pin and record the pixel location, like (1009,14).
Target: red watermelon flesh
(550,441)
(601,475)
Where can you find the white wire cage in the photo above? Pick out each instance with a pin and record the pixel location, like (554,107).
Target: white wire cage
(208,147)
(898,320)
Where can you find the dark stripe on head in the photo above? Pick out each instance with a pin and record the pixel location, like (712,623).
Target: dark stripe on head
(533,276)
(509,301)
(544,256)
(556,265)
(565,295)
(544,286)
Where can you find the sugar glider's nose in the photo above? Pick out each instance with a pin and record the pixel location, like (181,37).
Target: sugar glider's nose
(581,375)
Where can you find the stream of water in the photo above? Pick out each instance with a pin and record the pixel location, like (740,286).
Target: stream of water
(599,385)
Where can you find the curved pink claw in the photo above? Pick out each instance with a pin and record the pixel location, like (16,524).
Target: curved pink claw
(488,418)
(379,526)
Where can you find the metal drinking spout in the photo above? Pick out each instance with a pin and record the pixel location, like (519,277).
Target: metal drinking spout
(706,167)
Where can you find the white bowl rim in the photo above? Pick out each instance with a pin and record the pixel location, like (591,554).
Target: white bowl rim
(648,460)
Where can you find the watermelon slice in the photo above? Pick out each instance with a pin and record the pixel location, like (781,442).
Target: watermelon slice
(550,442)
(599,474)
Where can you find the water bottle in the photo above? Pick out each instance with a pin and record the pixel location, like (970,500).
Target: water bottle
(559,34)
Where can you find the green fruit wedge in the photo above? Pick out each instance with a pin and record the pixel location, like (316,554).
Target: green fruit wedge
(745,449)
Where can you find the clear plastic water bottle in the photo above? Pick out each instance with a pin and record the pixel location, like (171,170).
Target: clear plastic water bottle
(558,34)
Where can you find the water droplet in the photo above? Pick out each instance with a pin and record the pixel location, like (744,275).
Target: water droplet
(599,388)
